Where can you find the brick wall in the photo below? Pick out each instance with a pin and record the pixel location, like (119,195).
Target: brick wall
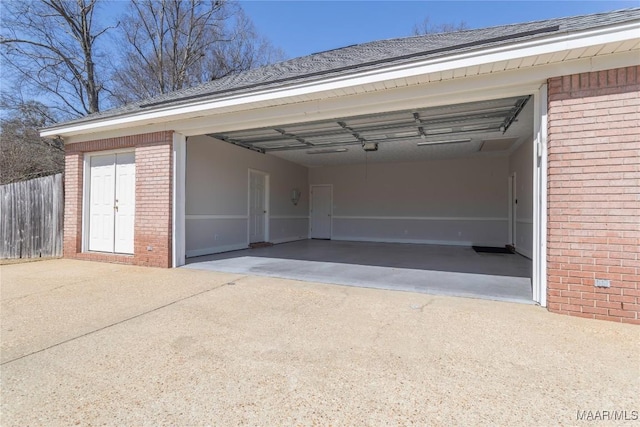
(594,194)
(152,236)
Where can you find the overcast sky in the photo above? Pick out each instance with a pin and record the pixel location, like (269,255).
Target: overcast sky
(304,27)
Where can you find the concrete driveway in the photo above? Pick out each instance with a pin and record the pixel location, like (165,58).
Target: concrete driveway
(101,344)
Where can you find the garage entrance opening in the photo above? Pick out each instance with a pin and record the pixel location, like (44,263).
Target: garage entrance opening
(401,198)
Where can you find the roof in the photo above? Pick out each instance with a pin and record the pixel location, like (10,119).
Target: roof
(369,56)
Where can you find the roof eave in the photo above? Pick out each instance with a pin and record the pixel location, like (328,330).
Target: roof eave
(548,44)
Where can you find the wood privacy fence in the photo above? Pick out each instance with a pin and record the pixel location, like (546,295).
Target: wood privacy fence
(31,215)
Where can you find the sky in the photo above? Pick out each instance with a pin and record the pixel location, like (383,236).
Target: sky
(303,27)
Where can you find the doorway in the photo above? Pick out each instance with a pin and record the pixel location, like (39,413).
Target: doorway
(112,202)
(513,210)
(321,211)
(258,201)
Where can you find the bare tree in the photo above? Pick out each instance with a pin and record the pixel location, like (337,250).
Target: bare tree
(426,27)
(174,44)
(49,47)
(23,154)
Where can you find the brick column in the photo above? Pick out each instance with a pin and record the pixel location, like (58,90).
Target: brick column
(154,185)
(72,231)
(594,194)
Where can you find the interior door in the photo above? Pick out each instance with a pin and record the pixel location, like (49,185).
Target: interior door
(257,207)
(101,190)
(321,208)
(513,209)
(125,202)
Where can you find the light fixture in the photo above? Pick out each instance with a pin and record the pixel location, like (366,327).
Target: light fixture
(451,141)
(295,196)
(328,151)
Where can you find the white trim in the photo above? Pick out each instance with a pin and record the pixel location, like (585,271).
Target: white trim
(267,206)
(289,217)
(86,190)
(311,207)
(546,45)
(243,217)
(215,250)
(421,218)
(539,255)
(178,250)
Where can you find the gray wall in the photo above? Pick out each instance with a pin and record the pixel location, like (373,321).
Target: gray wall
(521,162)
(217,196)
(461,201)
(458,201)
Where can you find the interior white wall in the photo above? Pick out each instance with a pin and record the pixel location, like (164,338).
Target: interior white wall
(217,196)
(458,201)
(521,162)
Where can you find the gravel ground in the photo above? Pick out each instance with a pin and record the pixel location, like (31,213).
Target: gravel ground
(102,344)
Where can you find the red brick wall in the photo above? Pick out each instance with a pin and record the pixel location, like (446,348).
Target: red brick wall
(594,194)
(153,153)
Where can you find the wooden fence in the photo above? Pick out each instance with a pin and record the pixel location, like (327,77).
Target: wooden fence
(31,218)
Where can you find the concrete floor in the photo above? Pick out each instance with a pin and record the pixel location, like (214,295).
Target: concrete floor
(92,344)
(431,269)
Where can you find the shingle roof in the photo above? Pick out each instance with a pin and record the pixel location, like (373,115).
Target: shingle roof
(370,56)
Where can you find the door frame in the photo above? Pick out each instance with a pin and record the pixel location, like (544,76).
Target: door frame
(86,190)
(539,260)
(330,207)
(513,209)
(266,204)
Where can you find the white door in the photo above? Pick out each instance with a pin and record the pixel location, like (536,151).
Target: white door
(257,207)
(101,218)
(513,209)
(112,202)
(125,202)
(321,201)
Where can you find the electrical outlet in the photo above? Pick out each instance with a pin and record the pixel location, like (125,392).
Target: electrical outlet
(215,237)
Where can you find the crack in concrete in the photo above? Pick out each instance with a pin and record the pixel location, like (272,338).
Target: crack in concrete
(232,282)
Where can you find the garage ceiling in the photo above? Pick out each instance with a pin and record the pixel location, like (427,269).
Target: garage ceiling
(445,131)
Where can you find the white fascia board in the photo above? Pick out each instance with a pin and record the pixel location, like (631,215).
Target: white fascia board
(515,82)
(469,59)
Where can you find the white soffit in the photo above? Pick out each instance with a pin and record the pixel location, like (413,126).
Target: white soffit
(553,49)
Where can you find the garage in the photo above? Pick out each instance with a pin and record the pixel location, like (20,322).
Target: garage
(398,154)
(429,183)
